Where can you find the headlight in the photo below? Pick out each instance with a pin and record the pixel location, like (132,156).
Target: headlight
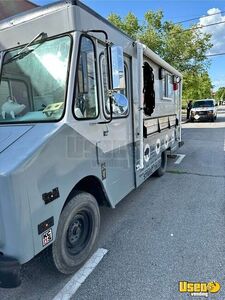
(192,112)
(210,111)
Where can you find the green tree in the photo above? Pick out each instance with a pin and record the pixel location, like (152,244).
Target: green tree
(220,94)
(197,86)
(151,32)
(185,49)
(129,24)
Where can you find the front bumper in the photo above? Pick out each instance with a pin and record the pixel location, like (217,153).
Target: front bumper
(9,272)
(205,116)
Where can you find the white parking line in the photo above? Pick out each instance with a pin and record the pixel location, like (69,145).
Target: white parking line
(180,158)
(75,282)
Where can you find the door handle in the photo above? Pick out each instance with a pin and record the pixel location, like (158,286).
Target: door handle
(106,131)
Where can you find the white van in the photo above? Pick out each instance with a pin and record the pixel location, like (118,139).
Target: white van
(204,109)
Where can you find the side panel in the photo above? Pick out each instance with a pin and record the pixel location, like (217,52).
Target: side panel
(15,219)
(52,159)
(154,145)
(61,163)
(161,129)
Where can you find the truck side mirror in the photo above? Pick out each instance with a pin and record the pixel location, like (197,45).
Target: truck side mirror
(120,104)
(118,76)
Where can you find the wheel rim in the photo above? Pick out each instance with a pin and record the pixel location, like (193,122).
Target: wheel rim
(78,233)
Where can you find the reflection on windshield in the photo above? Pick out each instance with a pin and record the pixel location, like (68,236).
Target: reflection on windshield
(208,103)
(33,86)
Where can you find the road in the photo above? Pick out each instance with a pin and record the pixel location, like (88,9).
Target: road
(170,229)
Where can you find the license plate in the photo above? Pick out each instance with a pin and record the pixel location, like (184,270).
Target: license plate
(47,237)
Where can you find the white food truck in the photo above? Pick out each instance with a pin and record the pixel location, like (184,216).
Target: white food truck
(86,116)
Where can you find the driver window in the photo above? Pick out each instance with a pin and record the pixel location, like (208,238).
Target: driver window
(86,101)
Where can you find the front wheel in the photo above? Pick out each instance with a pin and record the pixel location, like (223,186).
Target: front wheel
(162,169)
(77,232)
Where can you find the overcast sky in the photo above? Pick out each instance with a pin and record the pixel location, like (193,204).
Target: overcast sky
(176,10)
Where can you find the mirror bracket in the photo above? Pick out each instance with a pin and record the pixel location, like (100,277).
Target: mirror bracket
(111,92)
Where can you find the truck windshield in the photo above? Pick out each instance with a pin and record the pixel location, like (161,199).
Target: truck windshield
(206,103)
(33,83)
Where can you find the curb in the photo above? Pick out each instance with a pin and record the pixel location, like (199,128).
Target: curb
(185,121)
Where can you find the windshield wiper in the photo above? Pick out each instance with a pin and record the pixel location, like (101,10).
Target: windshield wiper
(18,56)
(25,51)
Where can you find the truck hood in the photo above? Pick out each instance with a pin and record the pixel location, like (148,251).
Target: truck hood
(203,108)
(10,134)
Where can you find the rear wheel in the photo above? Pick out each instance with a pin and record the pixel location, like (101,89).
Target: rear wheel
(162,169)
(77,232)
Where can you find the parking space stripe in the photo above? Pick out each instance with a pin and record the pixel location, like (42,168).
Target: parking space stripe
(180,158)
(79,277)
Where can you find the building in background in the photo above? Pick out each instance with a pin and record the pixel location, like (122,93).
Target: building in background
(10,8)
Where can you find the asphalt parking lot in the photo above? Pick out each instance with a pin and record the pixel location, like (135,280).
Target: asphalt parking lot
(170,229)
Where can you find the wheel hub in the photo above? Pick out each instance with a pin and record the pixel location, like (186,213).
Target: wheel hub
(78,233)
(75,231)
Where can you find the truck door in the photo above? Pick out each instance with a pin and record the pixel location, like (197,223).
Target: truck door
(111,140)
(117,142)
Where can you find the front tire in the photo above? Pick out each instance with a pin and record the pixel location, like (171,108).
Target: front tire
(162,169)
(77,232)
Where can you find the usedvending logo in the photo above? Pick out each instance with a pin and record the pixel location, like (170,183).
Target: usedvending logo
(199,289)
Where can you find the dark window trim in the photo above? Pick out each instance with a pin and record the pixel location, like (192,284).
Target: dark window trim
(76,74)
(107,116)
(66,85)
